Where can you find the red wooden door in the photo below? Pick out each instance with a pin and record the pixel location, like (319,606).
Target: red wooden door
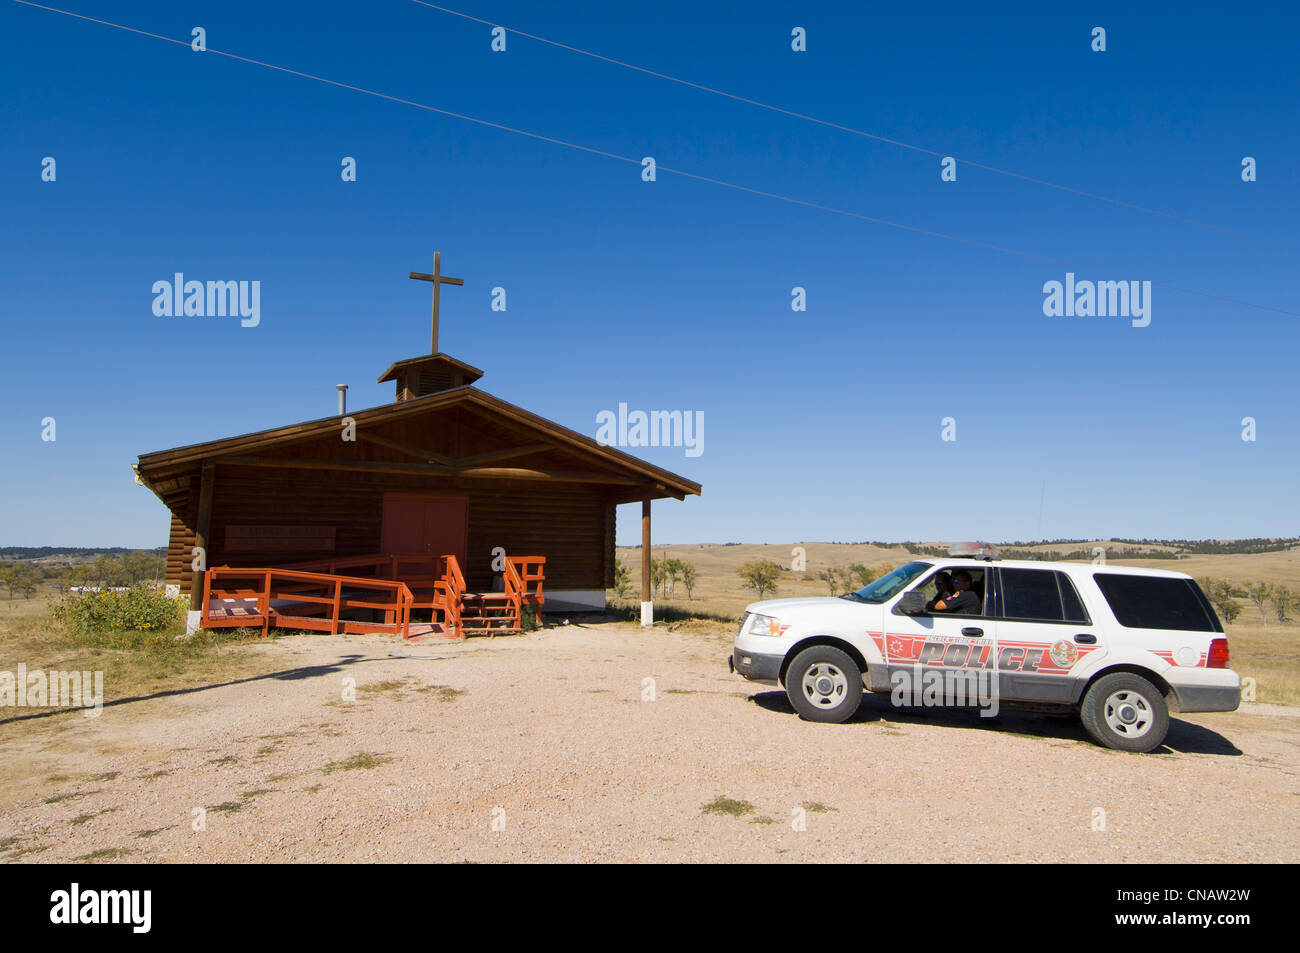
(426,525)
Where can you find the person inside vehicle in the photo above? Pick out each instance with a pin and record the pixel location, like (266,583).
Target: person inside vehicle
(942,589)
(962,599)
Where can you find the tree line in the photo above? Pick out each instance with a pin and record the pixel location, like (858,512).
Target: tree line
(8,553)
(129,568)
(1180,548)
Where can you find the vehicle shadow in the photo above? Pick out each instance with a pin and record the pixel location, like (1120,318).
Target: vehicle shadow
(1184,737)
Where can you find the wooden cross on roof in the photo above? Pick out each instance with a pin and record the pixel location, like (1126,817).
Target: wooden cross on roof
(438,279)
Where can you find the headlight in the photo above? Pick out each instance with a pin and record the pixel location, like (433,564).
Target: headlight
(761,625)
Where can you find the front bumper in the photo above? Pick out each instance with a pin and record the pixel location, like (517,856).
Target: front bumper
(755,666)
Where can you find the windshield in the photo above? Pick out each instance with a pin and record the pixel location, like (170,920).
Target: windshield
(889,585)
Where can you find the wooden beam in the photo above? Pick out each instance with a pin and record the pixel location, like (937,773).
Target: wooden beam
(202,529)
(428,469)
(458,462)
(561,476)
(503,454)
(418,452)
(362,466)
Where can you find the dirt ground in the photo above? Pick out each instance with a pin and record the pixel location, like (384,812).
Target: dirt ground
(610,743)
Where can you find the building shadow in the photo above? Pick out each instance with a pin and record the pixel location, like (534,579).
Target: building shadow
(284,675)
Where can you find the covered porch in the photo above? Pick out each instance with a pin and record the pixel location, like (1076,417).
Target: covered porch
(375,593)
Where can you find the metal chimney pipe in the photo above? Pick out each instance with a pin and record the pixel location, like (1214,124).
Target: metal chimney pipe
(343,398)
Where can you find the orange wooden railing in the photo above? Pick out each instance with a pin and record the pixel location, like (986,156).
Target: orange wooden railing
(429,582)
(520,576)
(308,600)
(437,582)
(451,596)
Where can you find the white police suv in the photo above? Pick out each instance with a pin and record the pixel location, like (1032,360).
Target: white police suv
(1118,645)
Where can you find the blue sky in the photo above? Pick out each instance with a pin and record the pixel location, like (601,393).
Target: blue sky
(822,425)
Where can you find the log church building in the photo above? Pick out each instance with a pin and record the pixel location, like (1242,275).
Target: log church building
(447,513)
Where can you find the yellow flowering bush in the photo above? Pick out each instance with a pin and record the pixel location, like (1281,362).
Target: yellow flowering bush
(130,618)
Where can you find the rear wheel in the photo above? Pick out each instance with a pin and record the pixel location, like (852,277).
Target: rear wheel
(1126,712)
(824,684)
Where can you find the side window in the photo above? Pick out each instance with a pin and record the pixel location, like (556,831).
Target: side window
(1070,601)
(927,588)
(1032,595)
(977,585)
(1154,602)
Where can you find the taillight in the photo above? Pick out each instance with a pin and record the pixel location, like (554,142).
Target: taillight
(1218,657)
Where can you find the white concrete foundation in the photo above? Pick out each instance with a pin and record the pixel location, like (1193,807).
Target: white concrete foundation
(647,613)
(192,618)
(574,600)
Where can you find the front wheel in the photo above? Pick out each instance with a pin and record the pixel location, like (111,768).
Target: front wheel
(824,684)
(1126,712)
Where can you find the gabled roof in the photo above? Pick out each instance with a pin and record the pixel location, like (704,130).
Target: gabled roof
(166,465)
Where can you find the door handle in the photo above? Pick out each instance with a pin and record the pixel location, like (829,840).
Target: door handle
(1086,638)
(972,632)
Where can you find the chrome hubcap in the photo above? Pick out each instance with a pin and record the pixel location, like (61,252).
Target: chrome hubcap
(1128,714)
(825,685)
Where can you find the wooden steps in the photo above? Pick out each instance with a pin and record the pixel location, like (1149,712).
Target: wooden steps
(488,613)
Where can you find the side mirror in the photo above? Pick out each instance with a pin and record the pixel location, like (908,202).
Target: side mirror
(912,603)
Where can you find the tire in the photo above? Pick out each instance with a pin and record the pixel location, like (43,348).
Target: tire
(1125,712)
(824,684)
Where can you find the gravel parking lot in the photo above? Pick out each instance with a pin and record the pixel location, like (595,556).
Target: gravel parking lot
(610,743)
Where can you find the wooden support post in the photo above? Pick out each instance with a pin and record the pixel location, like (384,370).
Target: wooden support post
(647,603)
(202,529)
(264,605)
(207,600)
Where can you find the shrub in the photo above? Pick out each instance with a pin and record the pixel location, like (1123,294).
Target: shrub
(129,618)
(622,580)
(864,575)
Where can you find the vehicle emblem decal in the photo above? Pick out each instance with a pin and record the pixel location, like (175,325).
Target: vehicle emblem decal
(1064,653)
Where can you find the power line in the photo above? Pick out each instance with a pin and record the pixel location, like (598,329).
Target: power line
(860,132)
(634,161)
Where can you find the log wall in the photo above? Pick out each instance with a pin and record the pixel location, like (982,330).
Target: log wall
(572,525)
